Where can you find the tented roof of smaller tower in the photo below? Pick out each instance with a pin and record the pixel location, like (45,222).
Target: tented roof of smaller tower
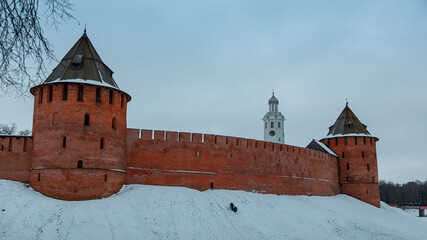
(347,123)
(82,64)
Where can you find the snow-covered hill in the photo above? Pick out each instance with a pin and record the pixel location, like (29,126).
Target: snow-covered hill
(153,212)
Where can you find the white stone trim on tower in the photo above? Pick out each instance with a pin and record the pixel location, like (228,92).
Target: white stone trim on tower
(274,123)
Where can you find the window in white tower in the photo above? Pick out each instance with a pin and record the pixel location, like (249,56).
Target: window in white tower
(278,124)
(265,125)
(272,124)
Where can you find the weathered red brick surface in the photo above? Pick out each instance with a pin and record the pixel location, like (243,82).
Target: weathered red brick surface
(58,119)
(358,167)
(228,163)
(15,156)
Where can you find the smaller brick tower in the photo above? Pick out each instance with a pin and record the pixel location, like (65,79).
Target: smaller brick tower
(79,128)
(358,172)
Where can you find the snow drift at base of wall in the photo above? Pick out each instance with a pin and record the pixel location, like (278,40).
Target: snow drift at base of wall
(157,212)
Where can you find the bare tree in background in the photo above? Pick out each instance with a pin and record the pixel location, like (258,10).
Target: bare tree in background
(6,129)
(23,46)
(25,132)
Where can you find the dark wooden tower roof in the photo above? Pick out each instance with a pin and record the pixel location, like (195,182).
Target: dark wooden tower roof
(83,64)
(347,123)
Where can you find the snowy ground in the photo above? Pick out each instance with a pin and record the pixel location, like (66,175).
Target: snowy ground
(415,212)
(153,212)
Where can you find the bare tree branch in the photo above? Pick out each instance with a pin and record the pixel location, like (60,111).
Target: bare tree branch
(23,45)
(6,129)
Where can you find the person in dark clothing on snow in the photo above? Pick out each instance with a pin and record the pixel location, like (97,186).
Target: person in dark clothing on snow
(233,208)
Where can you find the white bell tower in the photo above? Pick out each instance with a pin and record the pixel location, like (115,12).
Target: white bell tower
(274,129)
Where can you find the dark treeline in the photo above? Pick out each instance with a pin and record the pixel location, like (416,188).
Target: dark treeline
(411,193)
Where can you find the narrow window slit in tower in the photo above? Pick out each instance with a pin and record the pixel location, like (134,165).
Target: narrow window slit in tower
(336,141)
(113,123)
(122,101)
(105,178)
(10,144)
(345,140)
(368,167)
(348,166)
(87,120)
(111,97)
(101,144)
(367,191)
(355,140)
(346,179)
(64,142)
(373,179)
(98,95)
(80,164)
(41,95)
(38,178)
(80,93)
(65,92)
(363,154)
(50,93)
(2,148)
(364,140)
(25,145)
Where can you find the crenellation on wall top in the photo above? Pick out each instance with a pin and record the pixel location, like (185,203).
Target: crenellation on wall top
(16,144)
(220,140)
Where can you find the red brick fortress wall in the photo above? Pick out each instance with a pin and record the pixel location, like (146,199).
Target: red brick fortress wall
(15,155)
(197,161)
(62,139)
(358,170)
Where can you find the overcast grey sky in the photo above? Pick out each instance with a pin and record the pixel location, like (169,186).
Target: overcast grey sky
(210,66)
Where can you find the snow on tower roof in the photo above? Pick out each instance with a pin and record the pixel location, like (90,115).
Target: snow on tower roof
(82,64)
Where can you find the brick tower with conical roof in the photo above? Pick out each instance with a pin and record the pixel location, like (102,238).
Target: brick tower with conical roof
(79,128)
(356,148)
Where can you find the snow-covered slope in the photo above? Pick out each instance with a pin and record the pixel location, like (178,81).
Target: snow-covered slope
(153,212)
